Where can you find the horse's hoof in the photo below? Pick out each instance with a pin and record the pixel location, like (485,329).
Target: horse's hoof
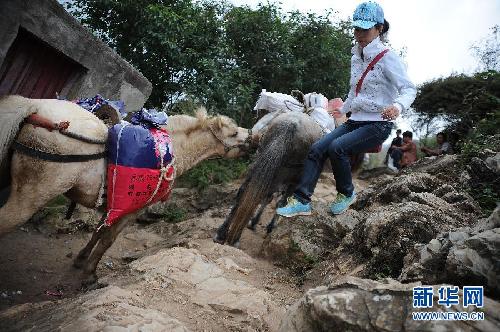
(236,244)
(218,240)
(269,229)
(93,286)
(90,283)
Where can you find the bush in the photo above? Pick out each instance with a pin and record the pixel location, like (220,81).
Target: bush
(484,137)
(174,214)
(213,171)
(463,101)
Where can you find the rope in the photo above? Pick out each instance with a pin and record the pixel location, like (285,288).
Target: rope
(114,172)
(64,158)
(288,101)
(227,147)
(163,172)
(83,138)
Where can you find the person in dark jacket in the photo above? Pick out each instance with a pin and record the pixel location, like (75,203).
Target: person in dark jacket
(396,142)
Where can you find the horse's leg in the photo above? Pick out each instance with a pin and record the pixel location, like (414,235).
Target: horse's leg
(255,220)
(221,235)
(34,183)
(71,209)
(84,254)
(106,238)
(272,223)
(281,202)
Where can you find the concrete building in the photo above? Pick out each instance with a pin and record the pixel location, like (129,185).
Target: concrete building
(44,50)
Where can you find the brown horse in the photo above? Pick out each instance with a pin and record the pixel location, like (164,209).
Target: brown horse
(34,181)
(277,168)
(284,140)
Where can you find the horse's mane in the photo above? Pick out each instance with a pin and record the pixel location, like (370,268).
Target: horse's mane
(201,120)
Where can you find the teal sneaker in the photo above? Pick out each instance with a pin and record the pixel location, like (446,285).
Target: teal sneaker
(294,208)
(342,203)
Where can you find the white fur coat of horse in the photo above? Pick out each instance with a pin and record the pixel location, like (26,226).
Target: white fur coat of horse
(34,182)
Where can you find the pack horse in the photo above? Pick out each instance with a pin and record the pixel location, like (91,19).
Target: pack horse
(38,165)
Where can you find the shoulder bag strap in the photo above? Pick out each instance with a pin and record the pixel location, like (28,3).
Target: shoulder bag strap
(370,67)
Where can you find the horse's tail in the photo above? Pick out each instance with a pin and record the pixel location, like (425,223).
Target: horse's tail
(13,111)
(276,147)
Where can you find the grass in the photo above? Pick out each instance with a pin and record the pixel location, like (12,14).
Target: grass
(213,171)
(174,214)
(58,202)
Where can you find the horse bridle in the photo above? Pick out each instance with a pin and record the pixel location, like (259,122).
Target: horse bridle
(227,147)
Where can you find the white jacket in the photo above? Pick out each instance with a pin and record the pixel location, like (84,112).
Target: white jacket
(387,84)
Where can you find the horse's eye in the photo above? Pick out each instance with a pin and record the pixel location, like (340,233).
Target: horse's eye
(235,134)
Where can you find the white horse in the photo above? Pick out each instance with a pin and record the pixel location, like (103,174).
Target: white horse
(34,181)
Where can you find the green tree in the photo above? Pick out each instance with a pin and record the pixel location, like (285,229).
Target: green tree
(487,50)
(471,105)
(290,51)
(163,39)
(460,99)
(208,52)
(465,100)
(258,40)
(322,54)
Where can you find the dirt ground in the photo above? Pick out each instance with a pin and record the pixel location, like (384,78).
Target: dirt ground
(36,260)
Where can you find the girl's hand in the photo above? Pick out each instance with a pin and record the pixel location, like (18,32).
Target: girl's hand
(335,114)
(390,113)
(334,107)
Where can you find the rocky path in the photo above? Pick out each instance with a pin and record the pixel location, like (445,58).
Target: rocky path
(306,276)
(161,276)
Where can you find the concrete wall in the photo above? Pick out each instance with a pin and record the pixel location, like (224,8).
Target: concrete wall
(107,73)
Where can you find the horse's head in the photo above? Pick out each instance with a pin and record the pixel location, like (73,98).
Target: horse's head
(233,140)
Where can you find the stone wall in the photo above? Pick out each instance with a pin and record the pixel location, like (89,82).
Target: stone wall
(106,72)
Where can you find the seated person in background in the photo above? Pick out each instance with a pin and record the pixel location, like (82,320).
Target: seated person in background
(396,142)
(406,154)
(443,147)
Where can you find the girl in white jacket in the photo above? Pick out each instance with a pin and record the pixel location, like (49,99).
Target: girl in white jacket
(379,91)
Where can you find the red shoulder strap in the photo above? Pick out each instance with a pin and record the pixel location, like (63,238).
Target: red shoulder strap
(370,67)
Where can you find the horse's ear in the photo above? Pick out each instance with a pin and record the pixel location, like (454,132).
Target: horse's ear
(219,123)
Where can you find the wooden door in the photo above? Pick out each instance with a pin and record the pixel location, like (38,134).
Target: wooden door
(34,69)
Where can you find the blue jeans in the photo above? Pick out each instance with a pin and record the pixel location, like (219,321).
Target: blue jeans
(352,137)
(396,156)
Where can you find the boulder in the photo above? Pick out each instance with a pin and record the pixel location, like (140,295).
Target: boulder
(388,233)
(396,189)
(206,283)
(389,218)
(494,162)
(476,260)
(435,165)
(418,187)
(354,304)
(301,241)
(108,309)
(462,256)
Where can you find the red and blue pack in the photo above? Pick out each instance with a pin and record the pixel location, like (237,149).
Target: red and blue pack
(140,168)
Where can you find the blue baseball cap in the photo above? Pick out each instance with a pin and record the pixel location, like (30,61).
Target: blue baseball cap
(367,15)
